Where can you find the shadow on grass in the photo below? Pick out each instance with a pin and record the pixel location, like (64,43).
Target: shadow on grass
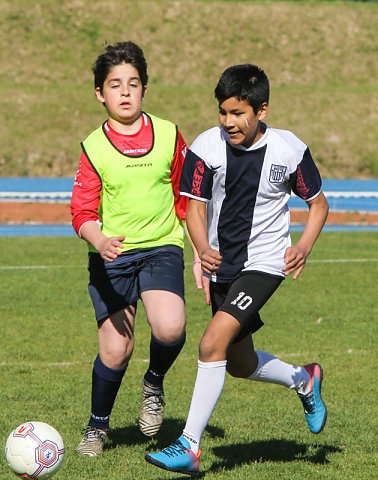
(169,432)
(231,456)
(279,450)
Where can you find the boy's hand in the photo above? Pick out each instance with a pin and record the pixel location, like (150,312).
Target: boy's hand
(295,260)
(206,289)
(197,272)
(210,260)
(296,256)
(109,247)
(202,282)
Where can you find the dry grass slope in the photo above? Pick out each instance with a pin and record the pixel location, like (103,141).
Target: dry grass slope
(320,57)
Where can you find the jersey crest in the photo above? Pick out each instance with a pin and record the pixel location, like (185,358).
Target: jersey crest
(277,173)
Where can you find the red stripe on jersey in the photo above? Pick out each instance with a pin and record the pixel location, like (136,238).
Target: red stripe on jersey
(197,178)
(181,202)
(301,185)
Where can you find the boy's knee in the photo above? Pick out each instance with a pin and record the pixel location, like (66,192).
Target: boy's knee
(208,349)
(117,358)
(170,335)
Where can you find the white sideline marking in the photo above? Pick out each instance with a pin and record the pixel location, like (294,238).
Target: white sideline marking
(187,264)
(38,267)
(56,364)
(330,260)
(38,364)
(344,260)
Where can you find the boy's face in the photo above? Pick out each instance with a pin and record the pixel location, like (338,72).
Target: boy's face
(122,94)
(239,121)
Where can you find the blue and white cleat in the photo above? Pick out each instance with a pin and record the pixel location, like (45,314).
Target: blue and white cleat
(314,408)
(178,457)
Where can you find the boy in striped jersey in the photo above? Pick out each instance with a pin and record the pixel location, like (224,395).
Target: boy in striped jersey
(238,177)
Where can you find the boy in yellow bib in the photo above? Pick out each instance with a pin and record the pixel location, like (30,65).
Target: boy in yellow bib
(126,204)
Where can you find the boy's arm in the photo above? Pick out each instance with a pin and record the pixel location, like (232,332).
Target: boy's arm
(197,270)
(107,247)
(196,219)
(296,256)
(86,195)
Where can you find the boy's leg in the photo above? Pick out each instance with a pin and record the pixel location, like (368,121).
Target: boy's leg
(161,287)
(116,341)
(166,315)
(183,455)
(264,367)
(211,374)
(246,295)
(246,362)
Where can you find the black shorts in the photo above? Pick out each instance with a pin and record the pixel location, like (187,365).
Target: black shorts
(243,297)
(115,285)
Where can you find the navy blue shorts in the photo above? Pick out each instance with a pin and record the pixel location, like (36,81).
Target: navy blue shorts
(115,285)
(243,297)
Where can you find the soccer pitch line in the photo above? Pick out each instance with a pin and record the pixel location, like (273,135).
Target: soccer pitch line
(38,267)
(39,364)
(187,264)
(58,364)
(344,260)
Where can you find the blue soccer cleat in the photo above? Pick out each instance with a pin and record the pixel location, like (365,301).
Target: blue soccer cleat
(314,408)
(178,457)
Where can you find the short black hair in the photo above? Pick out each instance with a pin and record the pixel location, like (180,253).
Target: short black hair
(245,82)
(121,52)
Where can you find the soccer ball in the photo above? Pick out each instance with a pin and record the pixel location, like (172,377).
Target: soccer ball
(34,450)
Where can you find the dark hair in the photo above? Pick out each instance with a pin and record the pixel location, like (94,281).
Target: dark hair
(245,82)
(121,52)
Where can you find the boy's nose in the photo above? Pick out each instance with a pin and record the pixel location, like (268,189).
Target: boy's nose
(228,122)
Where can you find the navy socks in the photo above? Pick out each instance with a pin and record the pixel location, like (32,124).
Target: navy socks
(106,381)
(105,386)
(162,356)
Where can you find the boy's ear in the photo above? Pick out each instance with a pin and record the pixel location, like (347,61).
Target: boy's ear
(144,92)
(263,112)
(99,95)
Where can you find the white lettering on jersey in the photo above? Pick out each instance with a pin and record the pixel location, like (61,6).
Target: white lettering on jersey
(135,151)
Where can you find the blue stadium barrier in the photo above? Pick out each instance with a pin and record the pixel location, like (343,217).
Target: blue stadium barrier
(343,195)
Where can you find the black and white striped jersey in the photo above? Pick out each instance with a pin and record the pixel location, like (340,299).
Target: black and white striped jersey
(247,191)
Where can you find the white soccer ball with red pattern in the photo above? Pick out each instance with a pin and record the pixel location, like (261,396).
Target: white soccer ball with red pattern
(34,450)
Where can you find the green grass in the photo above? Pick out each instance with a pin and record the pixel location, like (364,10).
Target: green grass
(257,431)
(320,57)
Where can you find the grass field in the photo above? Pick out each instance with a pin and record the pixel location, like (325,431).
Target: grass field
(320,57)
(257,431)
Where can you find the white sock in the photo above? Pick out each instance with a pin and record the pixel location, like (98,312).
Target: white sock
(271,369)
(207,390)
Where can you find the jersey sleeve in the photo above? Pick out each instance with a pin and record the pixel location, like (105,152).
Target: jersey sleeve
(197,178)
(306,181)
(86,195)
(181,203)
